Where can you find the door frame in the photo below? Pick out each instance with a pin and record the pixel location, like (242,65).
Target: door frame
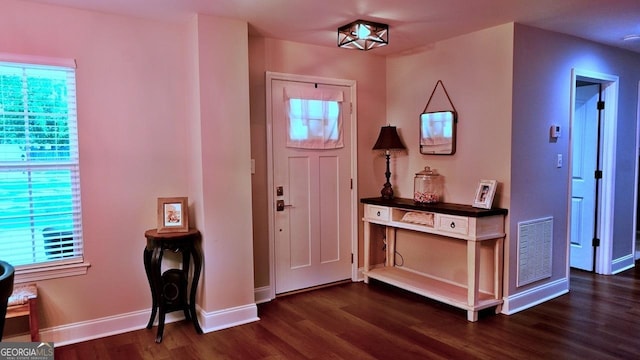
(604,261)
(635,250)
(353,218)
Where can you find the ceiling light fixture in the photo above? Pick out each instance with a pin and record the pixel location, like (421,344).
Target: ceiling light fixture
(363,35)
(631,37)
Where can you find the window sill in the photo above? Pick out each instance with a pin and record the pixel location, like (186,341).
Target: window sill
(51,272)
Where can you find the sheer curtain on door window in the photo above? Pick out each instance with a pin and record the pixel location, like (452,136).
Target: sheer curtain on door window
(314,118)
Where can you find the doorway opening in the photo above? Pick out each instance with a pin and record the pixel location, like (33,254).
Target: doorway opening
(592,159)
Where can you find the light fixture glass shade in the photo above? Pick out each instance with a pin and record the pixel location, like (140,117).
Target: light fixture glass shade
(388,139)
(363,35)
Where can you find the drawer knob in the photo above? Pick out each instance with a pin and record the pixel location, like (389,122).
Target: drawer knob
(378,213)
(452,225)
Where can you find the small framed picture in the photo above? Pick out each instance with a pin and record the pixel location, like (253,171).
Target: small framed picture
(173,214)
(484,194)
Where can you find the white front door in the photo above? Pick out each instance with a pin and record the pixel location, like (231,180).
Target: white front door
(312,190)
(583,185)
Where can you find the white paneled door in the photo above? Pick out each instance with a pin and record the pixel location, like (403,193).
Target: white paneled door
(583,182)
(311,144)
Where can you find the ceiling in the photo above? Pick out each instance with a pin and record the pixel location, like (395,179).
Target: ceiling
(413,24)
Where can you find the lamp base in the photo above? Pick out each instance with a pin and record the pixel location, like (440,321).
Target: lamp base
(387,191)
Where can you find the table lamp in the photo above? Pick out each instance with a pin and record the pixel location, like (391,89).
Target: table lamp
(388,140)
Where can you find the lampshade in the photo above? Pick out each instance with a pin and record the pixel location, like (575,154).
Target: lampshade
(388,139)
(363,35)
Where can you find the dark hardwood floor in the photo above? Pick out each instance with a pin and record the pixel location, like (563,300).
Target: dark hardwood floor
(598,319)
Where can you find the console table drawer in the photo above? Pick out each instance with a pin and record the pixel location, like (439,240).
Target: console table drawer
(453,224)
(380,213)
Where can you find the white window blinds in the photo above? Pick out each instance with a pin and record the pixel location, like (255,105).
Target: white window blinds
(314,118)
(40,214)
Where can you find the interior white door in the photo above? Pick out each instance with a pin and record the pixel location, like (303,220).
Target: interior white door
(312,224)
(583,184)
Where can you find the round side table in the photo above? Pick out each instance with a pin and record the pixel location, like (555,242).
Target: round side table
(169,289)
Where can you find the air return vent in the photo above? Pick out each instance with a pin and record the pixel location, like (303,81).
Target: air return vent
(535,238)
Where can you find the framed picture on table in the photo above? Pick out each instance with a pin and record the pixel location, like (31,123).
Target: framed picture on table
(484,194)
(173,214)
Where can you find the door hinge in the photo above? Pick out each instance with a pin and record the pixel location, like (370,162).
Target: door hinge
(598,174)
(352,258)
(594,243)
(600,105)
(350,108)
(351,183)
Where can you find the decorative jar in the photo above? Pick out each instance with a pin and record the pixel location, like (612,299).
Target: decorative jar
(428,186)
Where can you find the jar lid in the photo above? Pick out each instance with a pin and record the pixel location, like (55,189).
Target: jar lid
(428,172)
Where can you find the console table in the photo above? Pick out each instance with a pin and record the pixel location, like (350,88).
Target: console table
(455,221)
(169,289)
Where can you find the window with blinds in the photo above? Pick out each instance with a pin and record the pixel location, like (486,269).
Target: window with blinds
(40,214)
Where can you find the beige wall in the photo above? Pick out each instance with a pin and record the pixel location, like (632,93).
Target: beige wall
(366,68)
(476,70)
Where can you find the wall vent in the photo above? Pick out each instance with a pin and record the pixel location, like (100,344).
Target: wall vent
(535,239)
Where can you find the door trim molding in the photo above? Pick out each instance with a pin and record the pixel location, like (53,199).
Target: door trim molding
(635,250)
(270,77)
(609,83)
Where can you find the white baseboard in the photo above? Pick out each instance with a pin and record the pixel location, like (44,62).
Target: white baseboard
(623,263)
(137,320)
(359,275)
(262,294)
(532,297)
(226,318)
(98,328)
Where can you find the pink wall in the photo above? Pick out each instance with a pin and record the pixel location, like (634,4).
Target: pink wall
(132,144)
(223,120)
(159,107)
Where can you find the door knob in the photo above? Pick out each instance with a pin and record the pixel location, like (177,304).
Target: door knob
(280,205)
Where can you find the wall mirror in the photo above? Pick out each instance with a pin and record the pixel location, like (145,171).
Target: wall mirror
(438,132)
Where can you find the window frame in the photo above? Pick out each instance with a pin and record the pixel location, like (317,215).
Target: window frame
(58,267)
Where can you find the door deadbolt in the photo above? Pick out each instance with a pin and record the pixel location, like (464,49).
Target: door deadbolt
(279,191)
